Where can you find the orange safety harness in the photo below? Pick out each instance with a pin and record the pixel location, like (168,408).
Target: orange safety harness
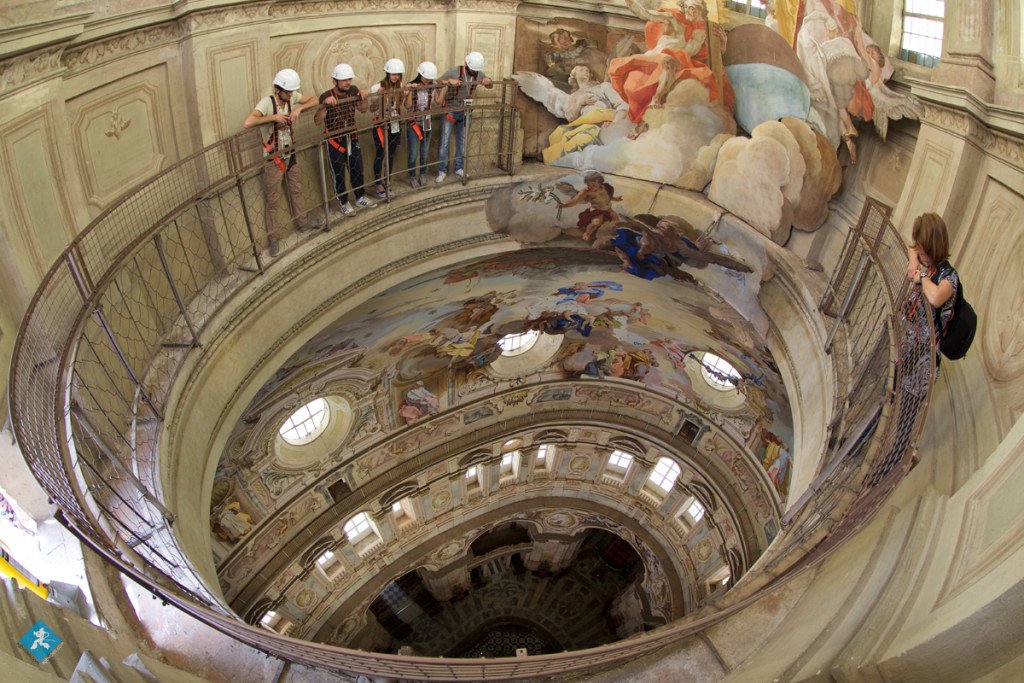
(331,141)
(414,124)
(384,105)
(271,143)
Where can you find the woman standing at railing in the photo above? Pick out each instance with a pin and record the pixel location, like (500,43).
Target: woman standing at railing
(387,129)
(927,264)
(422,96)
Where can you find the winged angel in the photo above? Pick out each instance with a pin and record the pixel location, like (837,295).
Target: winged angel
(846,71)
(591,108)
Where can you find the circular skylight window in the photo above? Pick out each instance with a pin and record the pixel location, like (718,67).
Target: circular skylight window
(306,423)
(518,344)
(718,372)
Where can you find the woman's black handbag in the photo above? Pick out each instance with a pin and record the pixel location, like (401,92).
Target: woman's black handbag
(959,333)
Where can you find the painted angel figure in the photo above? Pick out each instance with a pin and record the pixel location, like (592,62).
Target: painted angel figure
(590,108)
(846,71)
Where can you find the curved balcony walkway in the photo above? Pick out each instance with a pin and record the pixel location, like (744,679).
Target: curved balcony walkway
(137,288)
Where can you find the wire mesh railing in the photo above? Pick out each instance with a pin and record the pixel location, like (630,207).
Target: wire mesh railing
(883,337)
(139,285)
(134,293)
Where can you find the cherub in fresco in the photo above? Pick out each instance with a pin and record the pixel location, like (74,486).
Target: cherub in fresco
(600,196)
(677,49)
(419,402)
(652,246)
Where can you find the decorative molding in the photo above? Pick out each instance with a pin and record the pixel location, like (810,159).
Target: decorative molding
(232,16)
(23,70)
(127,44)
(968,127)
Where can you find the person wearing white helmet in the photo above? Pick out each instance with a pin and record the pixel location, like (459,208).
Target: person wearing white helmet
(276,115)
(389,95)
(423,95)
(461,82)
(338,116)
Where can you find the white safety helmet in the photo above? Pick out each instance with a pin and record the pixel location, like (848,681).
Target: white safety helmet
(287,79)
(394,66)
(475,61)
(343,72)
(427,70)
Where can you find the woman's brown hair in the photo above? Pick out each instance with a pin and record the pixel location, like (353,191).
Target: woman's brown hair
(930,233)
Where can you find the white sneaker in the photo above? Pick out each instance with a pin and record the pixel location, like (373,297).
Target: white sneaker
(413,183)
(365,203)
(440,177)
(347,210)
(459,172)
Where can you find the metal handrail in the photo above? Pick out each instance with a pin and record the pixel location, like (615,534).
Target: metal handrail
(139,282)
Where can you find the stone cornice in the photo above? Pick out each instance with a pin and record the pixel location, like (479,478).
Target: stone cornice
(999,131)
(35,51)
(126,43)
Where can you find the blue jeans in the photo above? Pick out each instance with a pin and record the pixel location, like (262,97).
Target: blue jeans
(461,125)
(353,159)
(419,150)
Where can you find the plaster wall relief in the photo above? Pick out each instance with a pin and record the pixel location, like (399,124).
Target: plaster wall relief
(931,173)
(988,265)
(122,133)
(39,221)
(232,71)
(990,533)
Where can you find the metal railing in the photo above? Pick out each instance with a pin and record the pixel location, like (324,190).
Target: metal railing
(135,291)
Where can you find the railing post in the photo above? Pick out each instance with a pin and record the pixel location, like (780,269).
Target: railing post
(501,126)
(159,242)
(98,312)
(466,115)
(121,467)
(323,184)
(386,128)
(851,293)
(248,224)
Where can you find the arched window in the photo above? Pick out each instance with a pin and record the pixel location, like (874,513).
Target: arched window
(619,460)
(358,527)
(306,423)
(695,511)
(665,474)
(518,344)
(754,8)
(922,31)
(717,371)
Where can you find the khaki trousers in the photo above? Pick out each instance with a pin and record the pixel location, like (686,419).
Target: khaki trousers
(272,177)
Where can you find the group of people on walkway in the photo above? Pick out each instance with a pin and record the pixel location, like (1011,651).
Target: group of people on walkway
(428,99)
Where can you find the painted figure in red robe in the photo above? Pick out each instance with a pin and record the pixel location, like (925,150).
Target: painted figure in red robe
(677,48)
